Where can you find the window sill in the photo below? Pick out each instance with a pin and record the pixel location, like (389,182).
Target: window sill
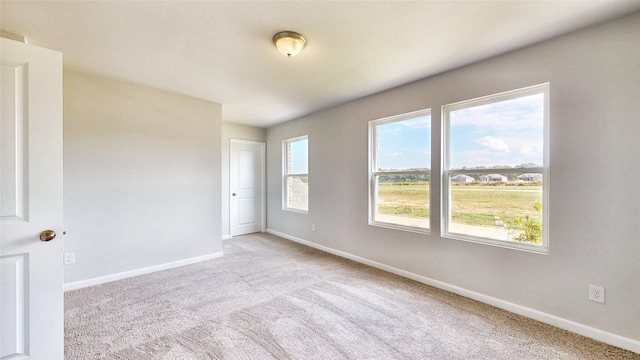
(400,227)
(296,210)
(512,245)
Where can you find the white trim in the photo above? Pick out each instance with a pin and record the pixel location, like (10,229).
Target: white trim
(400,117)
(581,329)
(143,271)
(227,237)
(396,226)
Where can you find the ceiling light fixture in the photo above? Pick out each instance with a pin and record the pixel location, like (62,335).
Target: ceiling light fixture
(289,43)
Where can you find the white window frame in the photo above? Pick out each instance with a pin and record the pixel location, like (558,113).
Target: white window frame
(373,173)
(287,175)
(447,173)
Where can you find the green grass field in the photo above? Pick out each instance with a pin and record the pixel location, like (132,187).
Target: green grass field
(471,204)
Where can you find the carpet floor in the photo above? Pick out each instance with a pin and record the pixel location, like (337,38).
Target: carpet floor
(270,298)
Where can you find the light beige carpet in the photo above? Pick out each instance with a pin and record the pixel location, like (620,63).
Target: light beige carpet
(269,298)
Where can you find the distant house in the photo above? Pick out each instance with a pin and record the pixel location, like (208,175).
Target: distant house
(530,177)
(493,178)
(462,178)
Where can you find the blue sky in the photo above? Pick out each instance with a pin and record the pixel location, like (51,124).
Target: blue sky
(508,132)
(405,144)
(300,157)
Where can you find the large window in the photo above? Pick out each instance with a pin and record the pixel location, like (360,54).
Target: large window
(495,169)
(399,169)
(296,174)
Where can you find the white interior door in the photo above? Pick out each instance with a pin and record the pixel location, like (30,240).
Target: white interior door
(31,293)
(246,181)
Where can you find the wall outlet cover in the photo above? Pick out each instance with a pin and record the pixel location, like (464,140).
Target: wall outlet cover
(596,293)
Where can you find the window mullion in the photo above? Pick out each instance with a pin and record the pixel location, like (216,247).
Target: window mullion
(496,170)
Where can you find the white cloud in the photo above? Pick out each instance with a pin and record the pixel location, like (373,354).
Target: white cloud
(508,132)
(531,150)
(389,130)
(493,144)
(503,116)
(418,123)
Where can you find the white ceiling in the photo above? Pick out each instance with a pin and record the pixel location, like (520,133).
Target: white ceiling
(222,51)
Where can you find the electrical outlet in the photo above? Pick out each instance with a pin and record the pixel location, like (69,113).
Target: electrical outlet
(313,227)
(596,293)
(69,258)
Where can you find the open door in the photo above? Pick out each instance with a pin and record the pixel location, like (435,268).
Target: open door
(31,244)
(246,179)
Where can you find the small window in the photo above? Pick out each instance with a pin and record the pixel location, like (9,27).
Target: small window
(399,171)
(296,174)
(495,181)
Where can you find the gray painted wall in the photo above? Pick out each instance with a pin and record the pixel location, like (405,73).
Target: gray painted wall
(142,176)
(238,132)
(594,162)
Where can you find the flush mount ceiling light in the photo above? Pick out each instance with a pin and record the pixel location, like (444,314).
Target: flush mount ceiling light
(289,43)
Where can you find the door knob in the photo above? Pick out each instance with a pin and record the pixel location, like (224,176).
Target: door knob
(234,194)
(47,235)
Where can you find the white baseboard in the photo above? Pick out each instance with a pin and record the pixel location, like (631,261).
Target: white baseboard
(226,237)
(581,329)
(127,274)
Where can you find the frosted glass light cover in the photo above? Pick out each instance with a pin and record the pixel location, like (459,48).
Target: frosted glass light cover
(289,43)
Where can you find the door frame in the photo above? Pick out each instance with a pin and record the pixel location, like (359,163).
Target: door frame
(263,178)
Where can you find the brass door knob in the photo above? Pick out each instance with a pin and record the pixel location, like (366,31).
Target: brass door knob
(47,235)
